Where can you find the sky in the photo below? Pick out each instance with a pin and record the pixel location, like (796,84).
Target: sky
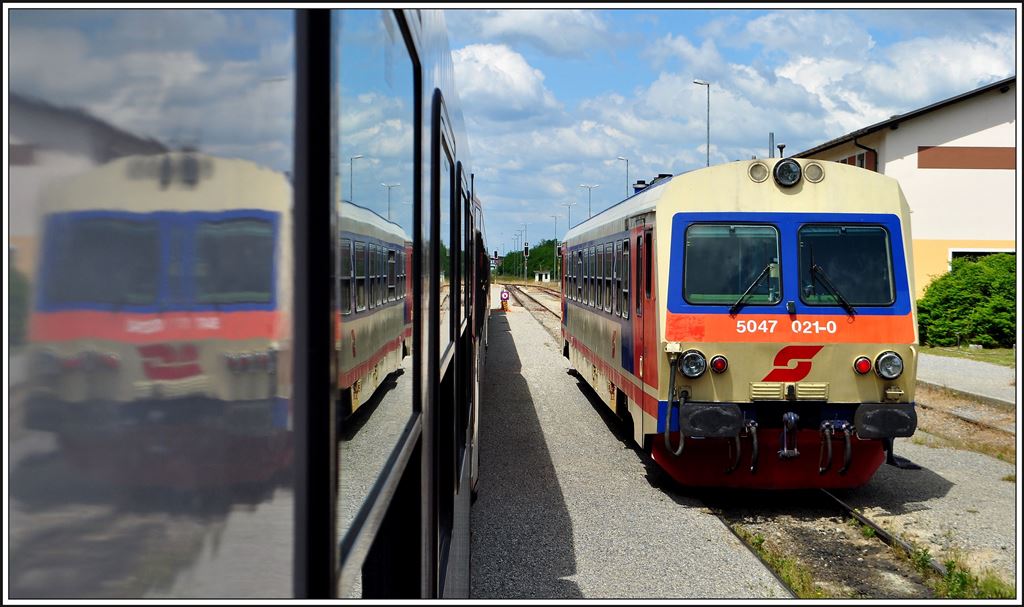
(552,98)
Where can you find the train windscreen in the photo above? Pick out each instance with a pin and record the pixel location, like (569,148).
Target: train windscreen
(855,259)
(723,261)
(235,261)
(82,252)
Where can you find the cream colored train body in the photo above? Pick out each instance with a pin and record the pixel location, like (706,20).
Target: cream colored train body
(775,322)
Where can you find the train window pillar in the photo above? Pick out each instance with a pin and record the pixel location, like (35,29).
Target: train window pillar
(391,276)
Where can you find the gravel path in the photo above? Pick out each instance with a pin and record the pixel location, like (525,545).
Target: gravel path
(994,383)
(565,509)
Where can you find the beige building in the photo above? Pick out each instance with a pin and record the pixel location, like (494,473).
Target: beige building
(956,162)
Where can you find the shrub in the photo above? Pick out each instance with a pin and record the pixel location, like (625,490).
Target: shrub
(973,303)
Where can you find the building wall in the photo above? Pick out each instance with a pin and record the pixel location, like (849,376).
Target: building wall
(968,204)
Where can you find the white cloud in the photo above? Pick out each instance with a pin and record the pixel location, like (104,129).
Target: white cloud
(564,33)
(809,33)
(497,84)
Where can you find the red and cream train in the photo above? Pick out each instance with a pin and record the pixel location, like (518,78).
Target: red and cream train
(765,308)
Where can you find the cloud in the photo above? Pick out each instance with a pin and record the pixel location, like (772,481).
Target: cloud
(562,33)
(806,33)
(497,84)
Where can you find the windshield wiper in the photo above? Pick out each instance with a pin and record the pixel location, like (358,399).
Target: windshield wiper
(739,302)
(817,270)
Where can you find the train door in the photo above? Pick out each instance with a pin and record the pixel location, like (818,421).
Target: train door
(644,296)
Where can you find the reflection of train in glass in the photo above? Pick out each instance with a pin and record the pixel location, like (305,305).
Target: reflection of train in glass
(374,318)
(161,310)
(765,307)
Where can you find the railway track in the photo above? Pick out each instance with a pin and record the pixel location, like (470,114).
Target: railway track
(841,552)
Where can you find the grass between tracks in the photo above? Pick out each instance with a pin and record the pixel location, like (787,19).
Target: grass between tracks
(793,574)
(959,582)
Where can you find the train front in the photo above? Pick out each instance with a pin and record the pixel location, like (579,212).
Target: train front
(789,334)
(157,322)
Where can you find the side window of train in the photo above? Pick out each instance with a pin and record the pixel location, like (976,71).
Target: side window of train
(617,282)
(625,279)
(445,320)
(360,275)
(599,281)
(374,107)
(608,273)
(345,277)
(149,197)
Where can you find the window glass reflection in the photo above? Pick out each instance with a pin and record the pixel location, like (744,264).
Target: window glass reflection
(150,204)
(374,197)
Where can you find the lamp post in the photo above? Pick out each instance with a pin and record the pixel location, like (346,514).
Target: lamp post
(708,144)
(389,186)
(554,247)
(627,174)
(351,198)
(590,188)
(569,205)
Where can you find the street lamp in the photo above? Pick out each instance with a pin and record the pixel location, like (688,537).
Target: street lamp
(708,144)
(554,247)
(590,188)
(351,198)
(569,205)
(389,186)
(627,174)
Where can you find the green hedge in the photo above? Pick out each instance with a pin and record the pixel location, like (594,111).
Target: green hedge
(974,303)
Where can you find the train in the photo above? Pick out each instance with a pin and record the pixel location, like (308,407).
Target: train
(753,322)
(373,322)
(160,319)
(225,295)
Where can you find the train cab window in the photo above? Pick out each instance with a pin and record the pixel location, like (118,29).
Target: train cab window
(609,266)
(856,260)
(743,257)
(360,274)
(345,276)
(624,306)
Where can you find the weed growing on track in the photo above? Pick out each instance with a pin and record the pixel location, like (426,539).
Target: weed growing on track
(791,572)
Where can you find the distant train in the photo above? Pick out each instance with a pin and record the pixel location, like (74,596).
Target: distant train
(754,321)
(160,314)
(374,318)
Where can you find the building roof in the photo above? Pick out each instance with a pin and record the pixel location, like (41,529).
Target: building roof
(1003,85)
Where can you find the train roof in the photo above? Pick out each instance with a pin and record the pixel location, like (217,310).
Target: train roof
(362,220)
(729,188)
(175,181)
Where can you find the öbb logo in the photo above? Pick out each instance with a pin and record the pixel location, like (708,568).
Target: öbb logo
(783,370)
(165,361)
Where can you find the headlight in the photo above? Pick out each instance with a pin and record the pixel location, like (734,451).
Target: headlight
(787,172)
(693,364)
(889,365)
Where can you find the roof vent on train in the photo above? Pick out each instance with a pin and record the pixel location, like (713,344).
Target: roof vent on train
(639,186)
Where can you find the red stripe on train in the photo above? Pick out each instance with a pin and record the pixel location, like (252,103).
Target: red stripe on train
(126,327)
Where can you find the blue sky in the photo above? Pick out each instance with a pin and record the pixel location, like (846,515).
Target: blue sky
(551,98)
